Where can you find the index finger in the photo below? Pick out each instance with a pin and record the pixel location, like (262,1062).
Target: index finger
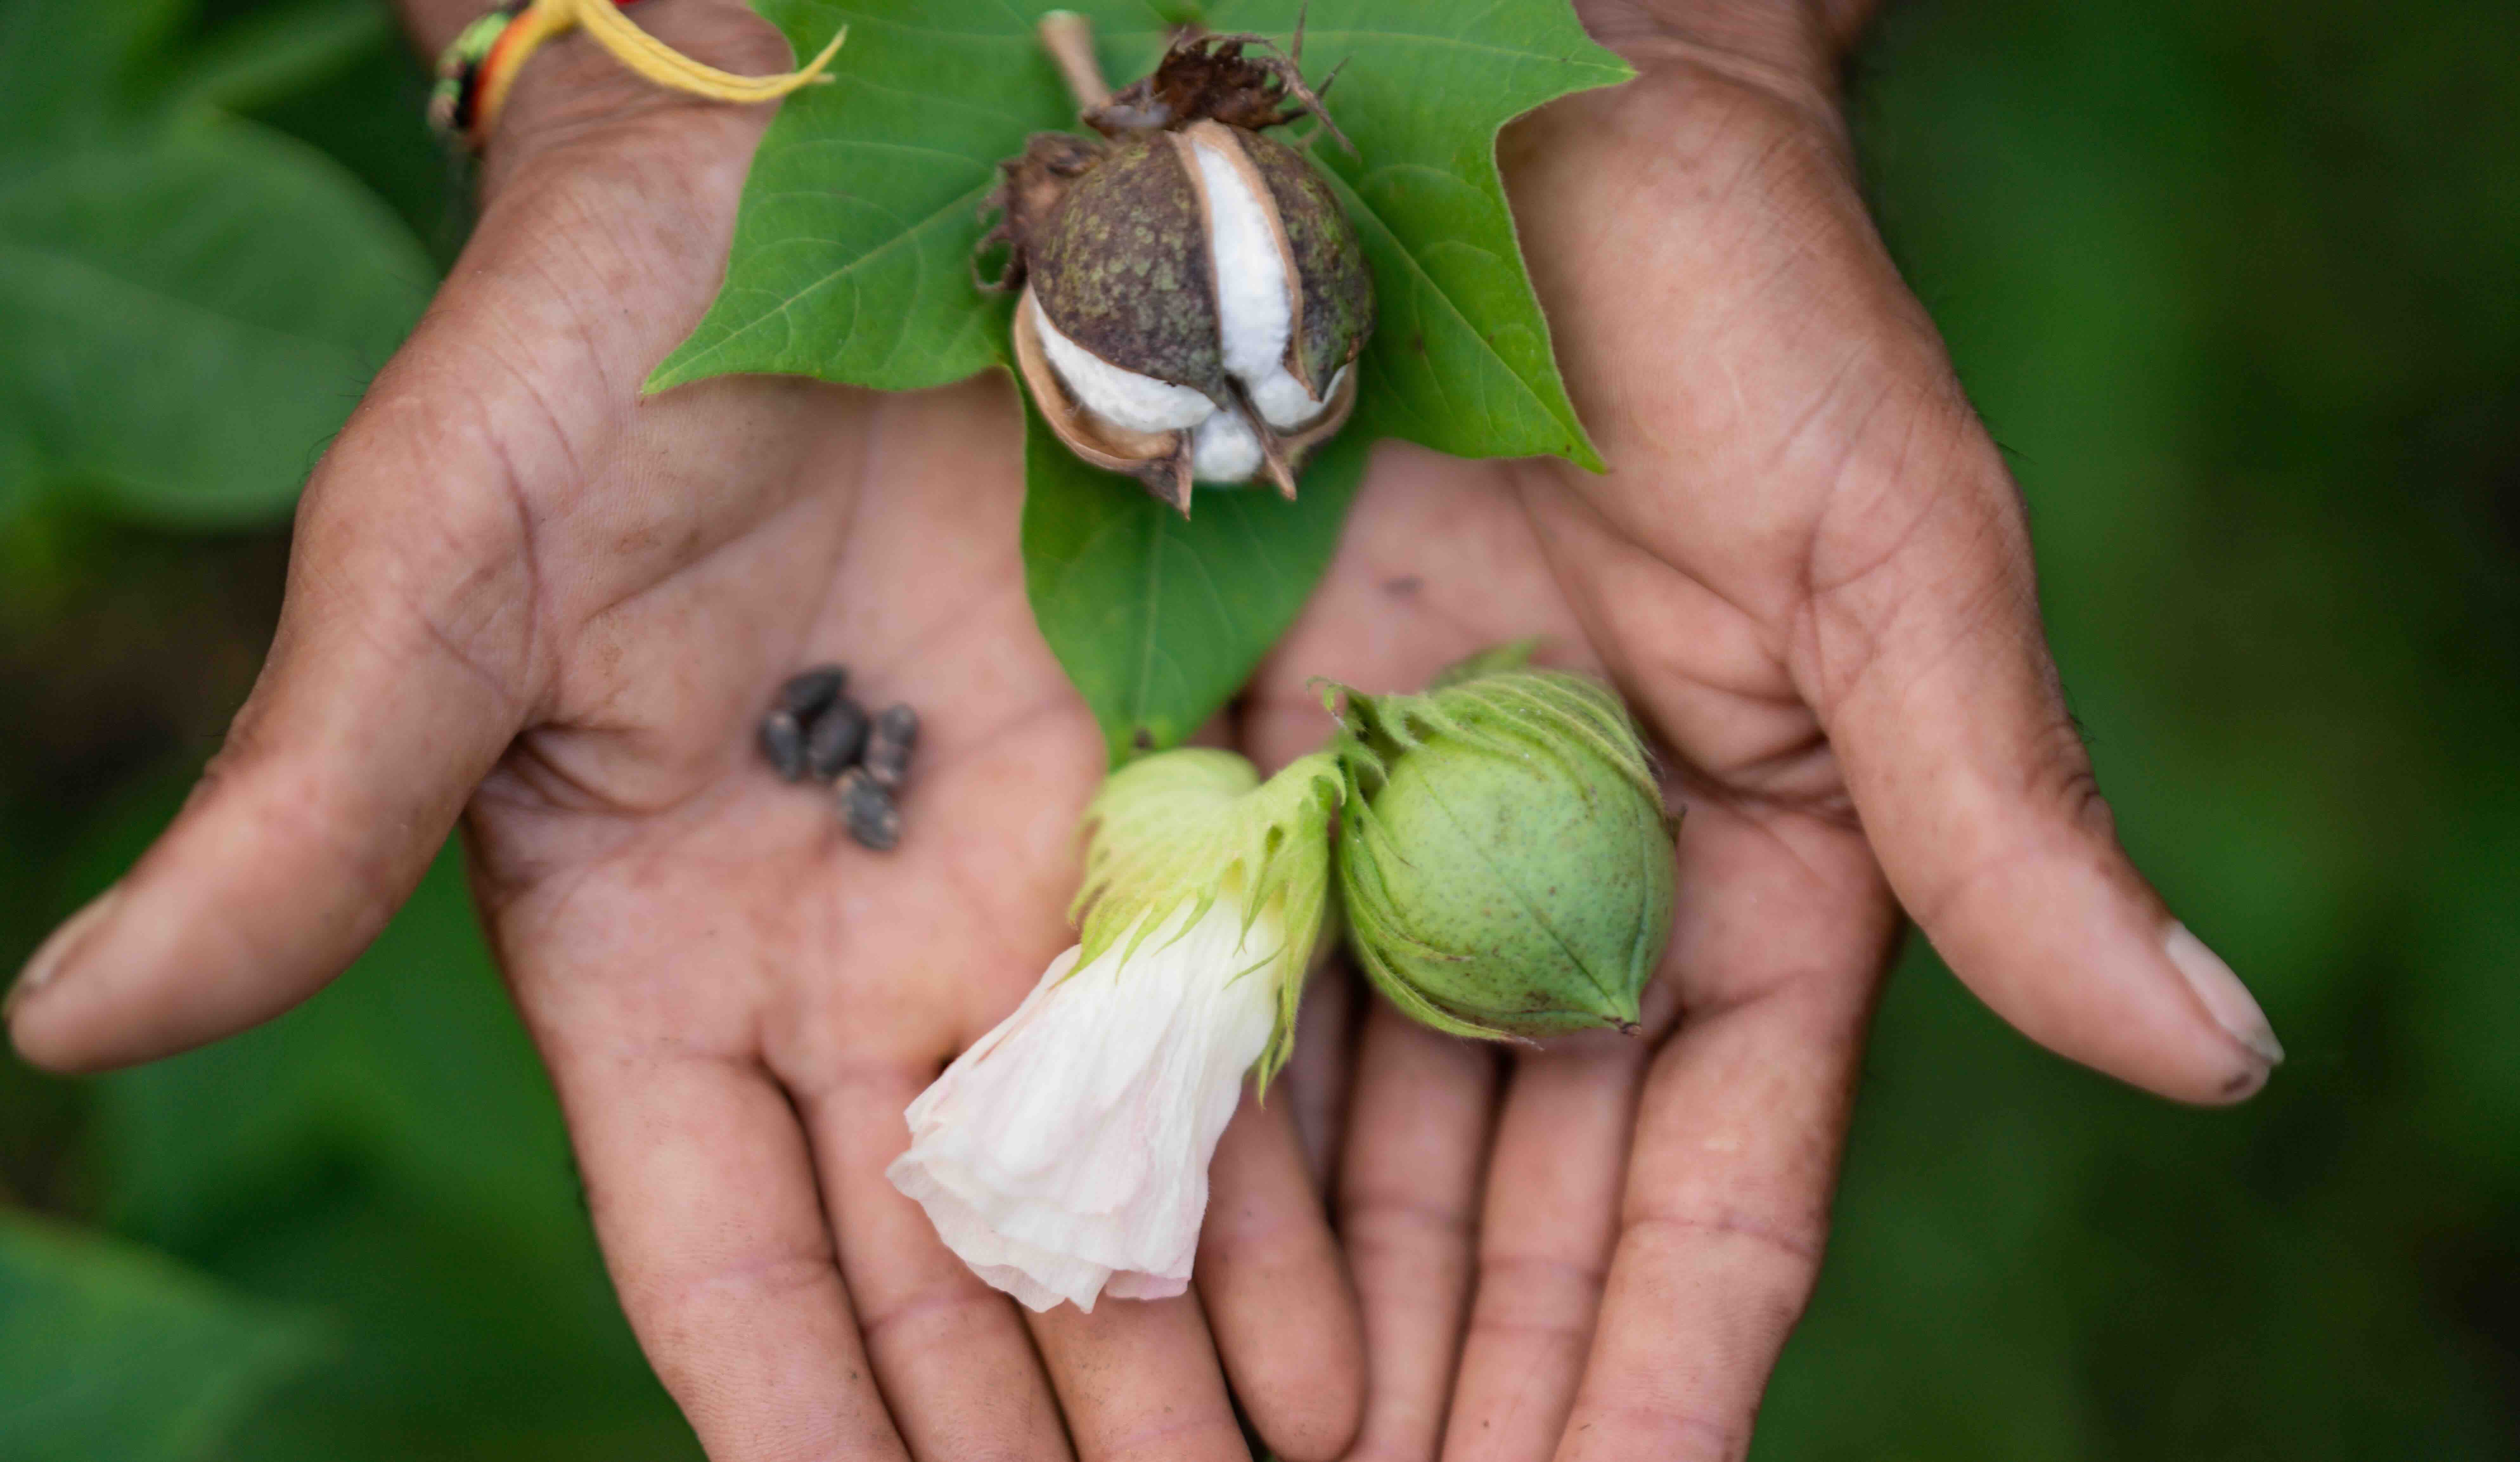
(1739,1135)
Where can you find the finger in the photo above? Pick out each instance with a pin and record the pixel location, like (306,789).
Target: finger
(1318,1070)
(387,697)
(1552,1214)
(1408,1194)
(1721,1236)
(1738,1133)
(1274,1289)
(702,1191)
(417,617)
(951,1354)
(1139,1382)
(1823,469)
(1931,667)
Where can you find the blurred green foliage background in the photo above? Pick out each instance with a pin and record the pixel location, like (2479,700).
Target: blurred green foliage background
(2238,288)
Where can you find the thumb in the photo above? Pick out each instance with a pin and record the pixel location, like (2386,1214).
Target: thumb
(1976,791)
(406,660)
(394,683)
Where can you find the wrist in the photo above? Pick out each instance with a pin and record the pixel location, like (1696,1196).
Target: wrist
(588,62)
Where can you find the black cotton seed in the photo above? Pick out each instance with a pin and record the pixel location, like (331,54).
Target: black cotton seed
(807,694)
(866,811)
(783,741)
(887,751)
(836,738)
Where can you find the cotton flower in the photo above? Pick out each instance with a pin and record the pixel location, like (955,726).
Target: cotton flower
(1064,1156)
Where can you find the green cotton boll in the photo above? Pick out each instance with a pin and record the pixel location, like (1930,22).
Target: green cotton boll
(1506,857)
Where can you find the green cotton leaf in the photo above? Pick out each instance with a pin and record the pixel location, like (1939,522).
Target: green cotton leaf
(1159,618)
(852,260)
(852,248)
(108,1351)
(1460,358)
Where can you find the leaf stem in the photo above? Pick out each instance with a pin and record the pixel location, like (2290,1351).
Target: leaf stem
(1069,37)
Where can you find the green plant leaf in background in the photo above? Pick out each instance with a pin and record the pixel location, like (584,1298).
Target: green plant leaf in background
(852,263)
(193,302)
(113,1351)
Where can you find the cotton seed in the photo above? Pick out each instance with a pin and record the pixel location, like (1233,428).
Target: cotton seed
(887,748)
(866,811)
(835,739)
(783,741)
(806,695)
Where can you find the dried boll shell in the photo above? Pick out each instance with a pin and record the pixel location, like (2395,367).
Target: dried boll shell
(1121,268)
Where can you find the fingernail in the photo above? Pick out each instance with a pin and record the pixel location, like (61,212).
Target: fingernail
(55,955)
(2225,997)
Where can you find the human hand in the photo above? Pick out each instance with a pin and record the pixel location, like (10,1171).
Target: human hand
(1809,571)
(521,593)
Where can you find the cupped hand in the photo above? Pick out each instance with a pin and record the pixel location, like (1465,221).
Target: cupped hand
(1809,571)
(524,595)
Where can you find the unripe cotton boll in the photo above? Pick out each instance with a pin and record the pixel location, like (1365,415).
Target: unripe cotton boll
(1194,297)
(1506,858)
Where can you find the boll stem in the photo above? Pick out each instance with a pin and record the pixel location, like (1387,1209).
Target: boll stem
(1069,37)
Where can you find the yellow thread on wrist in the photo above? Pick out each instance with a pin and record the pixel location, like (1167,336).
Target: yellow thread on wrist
(667,67)
(637,50)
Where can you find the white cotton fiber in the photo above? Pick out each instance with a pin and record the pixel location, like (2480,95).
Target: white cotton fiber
(1124,398)
(1223,449)
(1254,304)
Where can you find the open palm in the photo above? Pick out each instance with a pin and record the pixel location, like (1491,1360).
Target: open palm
(519,589)
(522,594)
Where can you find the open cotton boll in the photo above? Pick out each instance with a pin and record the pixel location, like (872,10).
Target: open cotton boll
(1186,246)
(1122,398)
(1065,1155)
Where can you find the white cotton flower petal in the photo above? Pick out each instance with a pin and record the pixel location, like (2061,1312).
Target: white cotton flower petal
(1065,1155)
(1122,398)
(1223,449)
(1255,307)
